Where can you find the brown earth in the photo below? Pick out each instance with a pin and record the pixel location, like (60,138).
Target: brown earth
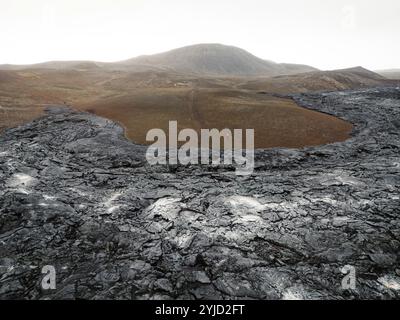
(277,122)
(141,101)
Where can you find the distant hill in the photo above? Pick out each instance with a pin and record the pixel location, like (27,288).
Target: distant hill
(390,73)
(202,60)
(318,81)
(57,65)
(216,60)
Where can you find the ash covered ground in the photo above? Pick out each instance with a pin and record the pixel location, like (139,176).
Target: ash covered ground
(75,194)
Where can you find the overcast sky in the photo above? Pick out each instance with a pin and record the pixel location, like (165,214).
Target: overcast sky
(326,34)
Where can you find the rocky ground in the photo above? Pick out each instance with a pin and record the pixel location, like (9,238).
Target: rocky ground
(75,194)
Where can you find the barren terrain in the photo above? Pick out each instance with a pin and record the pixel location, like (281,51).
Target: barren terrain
(76,194)
(144,100)
(200,86)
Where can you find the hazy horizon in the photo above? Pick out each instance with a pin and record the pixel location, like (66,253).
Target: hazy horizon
(327,35)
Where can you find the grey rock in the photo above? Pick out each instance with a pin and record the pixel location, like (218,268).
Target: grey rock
(383,259)
(164,284)
(201,276)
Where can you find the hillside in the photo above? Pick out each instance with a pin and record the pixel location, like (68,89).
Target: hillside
(56,65)
(390,73)
(344,79)
(215,60)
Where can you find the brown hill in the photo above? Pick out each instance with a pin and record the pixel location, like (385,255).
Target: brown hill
(318,81)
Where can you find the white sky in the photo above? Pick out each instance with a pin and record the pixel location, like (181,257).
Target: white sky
(327,34)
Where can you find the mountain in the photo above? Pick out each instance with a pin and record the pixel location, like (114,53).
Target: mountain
(390,73)
(215,60)
(201,60)
(343,79)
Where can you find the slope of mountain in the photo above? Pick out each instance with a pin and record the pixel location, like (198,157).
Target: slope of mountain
(202,59)
(291,68)
(215,60)
(56,65)
(344,79)
(390,73)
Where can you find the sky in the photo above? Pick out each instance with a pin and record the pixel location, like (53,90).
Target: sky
(327,34)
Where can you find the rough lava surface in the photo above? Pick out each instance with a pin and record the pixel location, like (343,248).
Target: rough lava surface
(75,194)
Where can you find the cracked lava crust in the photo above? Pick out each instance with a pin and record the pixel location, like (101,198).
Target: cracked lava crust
(74,193)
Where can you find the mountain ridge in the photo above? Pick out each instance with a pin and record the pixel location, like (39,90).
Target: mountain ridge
(200,59)
(213,59)
(341,79)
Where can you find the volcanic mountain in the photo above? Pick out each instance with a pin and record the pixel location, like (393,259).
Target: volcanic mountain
(216,60)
